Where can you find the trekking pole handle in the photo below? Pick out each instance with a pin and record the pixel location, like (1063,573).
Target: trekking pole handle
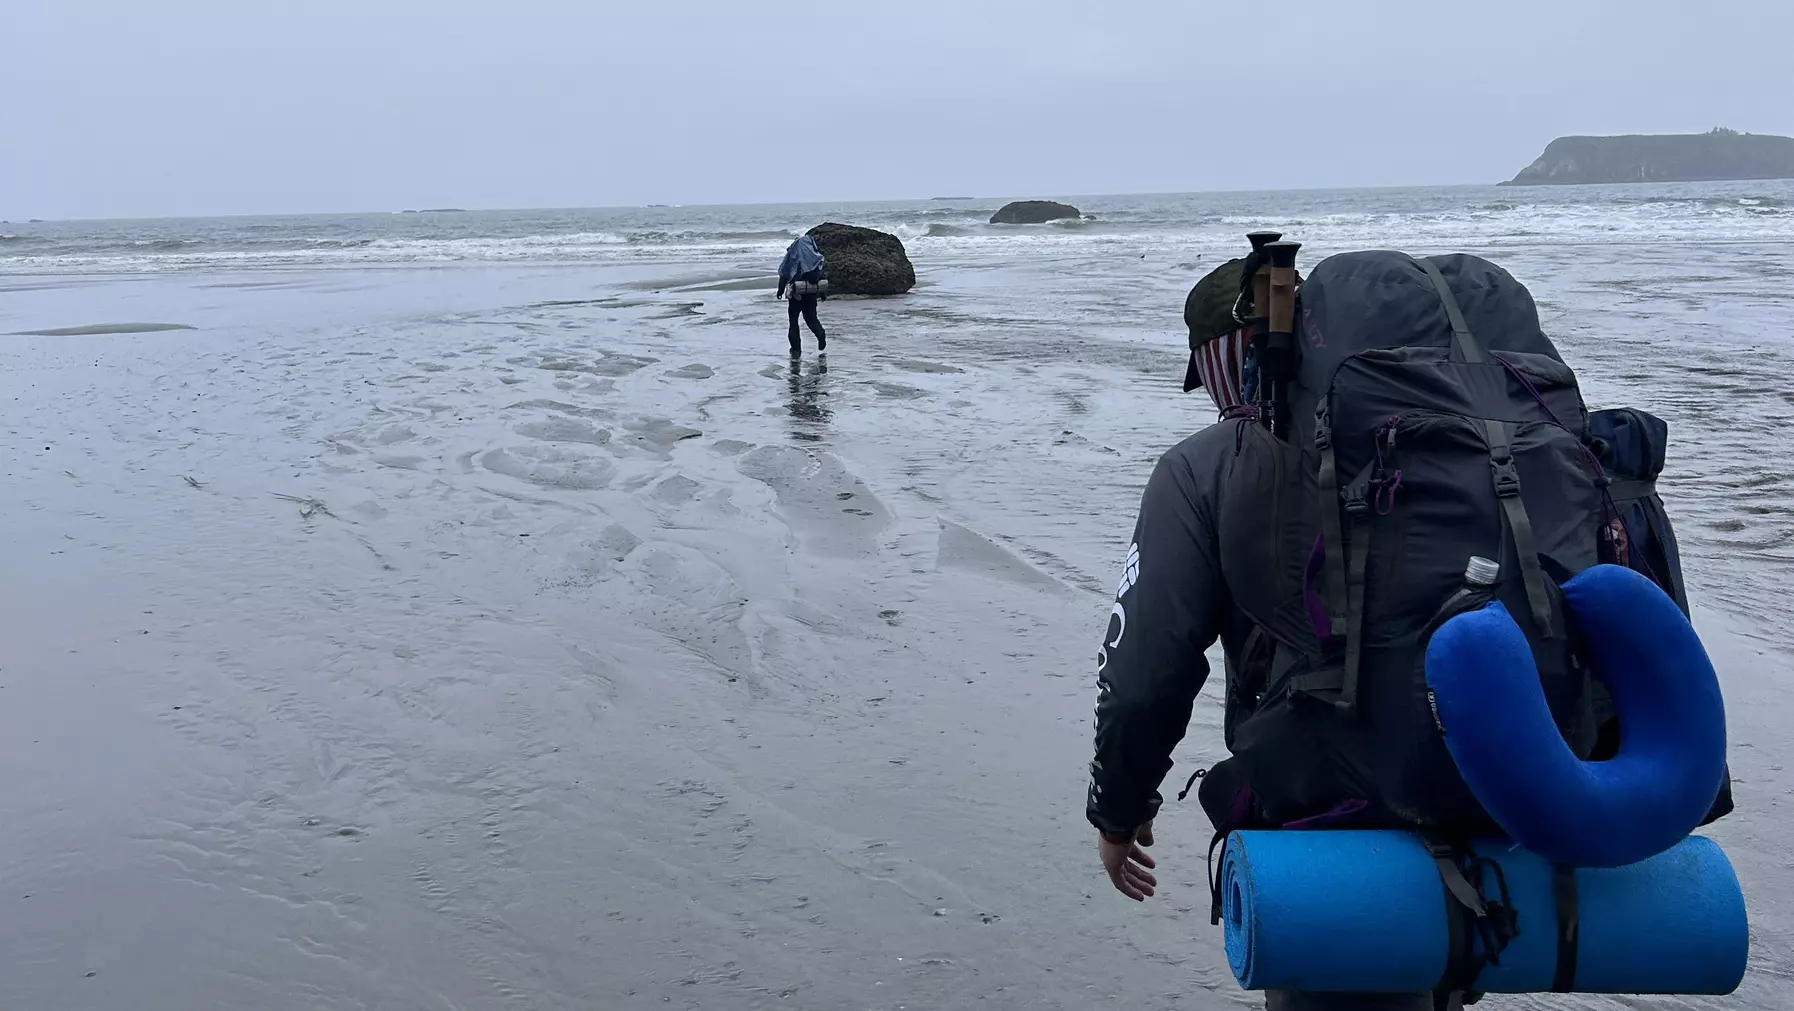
(1282,310)
(1261,279)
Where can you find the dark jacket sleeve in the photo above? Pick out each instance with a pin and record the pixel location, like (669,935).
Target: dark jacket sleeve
(1151,665)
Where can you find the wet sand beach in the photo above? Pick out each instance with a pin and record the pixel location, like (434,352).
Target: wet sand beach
(525,633)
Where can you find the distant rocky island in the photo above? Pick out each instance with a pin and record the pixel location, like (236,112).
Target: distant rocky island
(1719,154)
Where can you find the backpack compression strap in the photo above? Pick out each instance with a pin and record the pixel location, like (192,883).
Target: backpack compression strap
(1463,343)
(1342,588)
(1519,525)
(1501,460)
(1345,571)
(1479,926)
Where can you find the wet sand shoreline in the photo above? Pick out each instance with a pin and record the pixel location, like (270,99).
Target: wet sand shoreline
(529,637)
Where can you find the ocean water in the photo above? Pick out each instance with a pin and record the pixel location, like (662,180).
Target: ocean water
(479,609)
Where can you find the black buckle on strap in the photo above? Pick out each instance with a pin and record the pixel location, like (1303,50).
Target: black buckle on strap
(1507,476)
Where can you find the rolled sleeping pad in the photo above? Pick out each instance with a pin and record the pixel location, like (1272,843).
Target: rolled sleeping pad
(1671,762)
(1365,912)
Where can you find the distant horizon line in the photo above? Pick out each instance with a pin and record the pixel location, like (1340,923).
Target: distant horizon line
(1506,187)
(757,203)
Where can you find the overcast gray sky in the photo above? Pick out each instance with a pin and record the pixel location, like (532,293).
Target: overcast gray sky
(173,107)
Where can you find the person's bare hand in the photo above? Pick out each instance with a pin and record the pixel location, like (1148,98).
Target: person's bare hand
(1129,865)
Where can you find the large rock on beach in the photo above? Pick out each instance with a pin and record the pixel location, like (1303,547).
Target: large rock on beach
(1033,212)
(863,261)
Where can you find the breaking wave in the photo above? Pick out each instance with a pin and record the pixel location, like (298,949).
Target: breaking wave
(1477,217)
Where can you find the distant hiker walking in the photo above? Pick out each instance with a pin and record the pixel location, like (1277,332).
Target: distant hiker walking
(803,279)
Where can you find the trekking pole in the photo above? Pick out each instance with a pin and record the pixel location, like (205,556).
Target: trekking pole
(1261,279)
(1255,284)
(1280,335)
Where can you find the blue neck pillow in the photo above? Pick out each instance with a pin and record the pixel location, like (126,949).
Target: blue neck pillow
(1671,759)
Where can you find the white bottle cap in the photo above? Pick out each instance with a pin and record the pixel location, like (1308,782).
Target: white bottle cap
(1481,571)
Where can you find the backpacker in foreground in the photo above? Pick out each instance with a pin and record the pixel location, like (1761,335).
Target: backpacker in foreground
(1416,417)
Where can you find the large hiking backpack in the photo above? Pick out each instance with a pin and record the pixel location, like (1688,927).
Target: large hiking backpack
(1431,420)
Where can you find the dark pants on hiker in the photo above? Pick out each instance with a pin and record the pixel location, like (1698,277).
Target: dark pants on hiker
(806,307)
(1289,1000)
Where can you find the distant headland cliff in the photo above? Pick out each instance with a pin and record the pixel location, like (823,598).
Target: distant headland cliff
(1661,158)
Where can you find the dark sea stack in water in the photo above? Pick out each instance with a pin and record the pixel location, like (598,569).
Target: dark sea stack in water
(1034,212)
(1661,158)
(864,261)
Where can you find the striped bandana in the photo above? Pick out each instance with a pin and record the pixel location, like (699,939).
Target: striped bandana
(1220,364)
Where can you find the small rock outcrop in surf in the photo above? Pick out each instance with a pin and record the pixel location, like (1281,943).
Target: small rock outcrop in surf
(864,261)
(1033,212)
(1667,158)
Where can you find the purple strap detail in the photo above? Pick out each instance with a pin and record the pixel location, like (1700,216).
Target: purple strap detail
(1342,812)
(1241,812)
(1311,597)
(1384,496)
(1384,483)
(1607,503)
(1527,384)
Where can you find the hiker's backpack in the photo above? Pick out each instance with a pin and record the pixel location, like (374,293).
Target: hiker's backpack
(1431,420)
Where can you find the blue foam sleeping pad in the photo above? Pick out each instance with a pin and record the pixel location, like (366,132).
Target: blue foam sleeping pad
(1365,912)
(1671,760)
